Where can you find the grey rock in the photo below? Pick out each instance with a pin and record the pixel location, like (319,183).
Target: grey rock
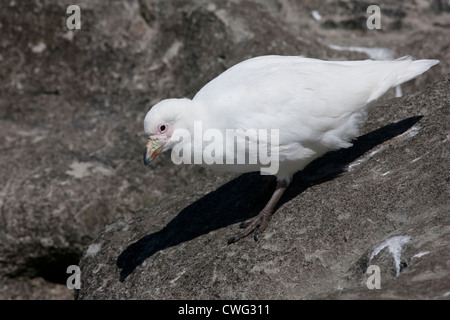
(72,105)
(71,123)
(392,183)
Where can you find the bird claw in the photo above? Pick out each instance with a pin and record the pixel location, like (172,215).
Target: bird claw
(231,240)
(244,224)
(257,224)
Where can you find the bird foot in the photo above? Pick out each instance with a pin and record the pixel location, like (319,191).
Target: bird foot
(257,224)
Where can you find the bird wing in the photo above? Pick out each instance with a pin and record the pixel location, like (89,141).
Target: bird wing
(306,99)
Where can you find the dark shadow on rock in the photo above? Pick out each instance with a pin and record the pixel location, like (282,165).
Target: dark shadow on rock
(230,203)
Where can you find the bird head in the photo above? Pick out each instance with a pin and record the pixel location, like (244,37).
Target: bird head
(159,124)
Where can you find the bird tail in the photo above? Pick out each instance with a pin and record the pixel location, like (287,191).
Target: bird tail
(403,69)
(414,69)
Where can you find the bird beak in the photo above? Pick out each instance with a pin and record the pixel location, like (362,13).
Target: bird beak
(152,149)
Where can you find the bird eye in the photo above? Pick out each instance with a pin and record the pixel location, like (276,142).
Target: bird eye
(162,128)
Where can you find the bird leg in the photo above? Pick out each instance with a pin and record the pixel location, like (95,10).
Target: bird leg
(259,223)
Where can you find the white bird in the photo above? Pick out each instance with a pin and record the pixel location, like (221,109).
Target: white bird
(312,106)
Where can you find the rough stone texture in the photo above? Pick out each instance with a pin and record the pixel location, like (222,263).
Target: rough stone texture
(71,110)
(392,182)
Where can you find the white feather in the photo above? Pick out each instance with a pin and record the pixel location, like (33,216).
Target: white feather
(316,105)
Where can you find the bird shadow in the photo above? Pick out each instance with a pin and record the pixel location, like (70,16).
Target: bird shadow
(230,203)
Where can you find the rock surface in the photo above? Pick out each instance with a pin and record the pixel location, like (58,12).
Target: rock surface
(72,104)
(392,183)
